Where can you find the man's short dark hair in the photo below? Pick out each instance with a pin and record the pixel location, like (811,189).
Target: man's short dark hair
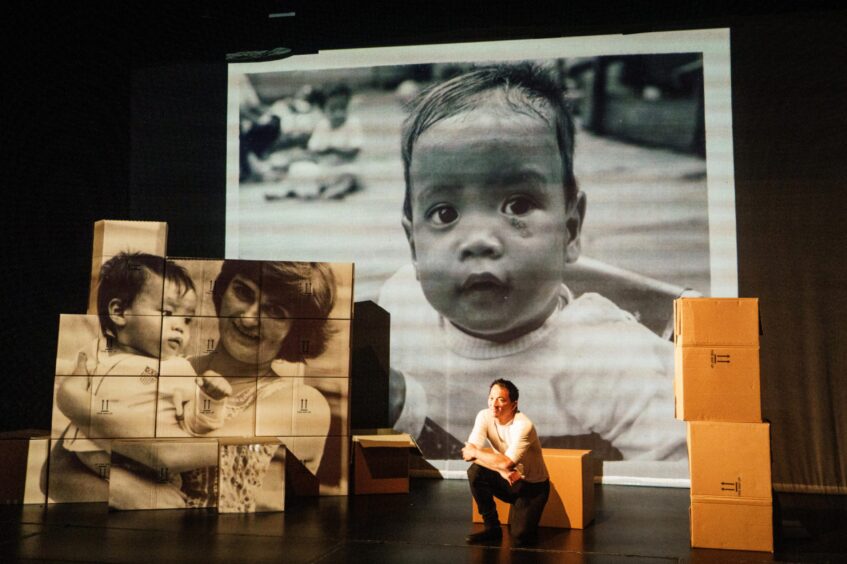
(508,386)
(528,88)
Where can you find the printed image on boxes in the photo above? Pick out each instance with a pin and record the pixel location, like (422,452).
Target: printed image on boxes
(78,470)
(210,405)
(203,273)
(163,474)
(104,407)
(83,349)
(716,322)
(305,289)
(203,352)
(305,336)
(251,475)
(317,465)
(171,352)
(730,459)
(24,456)
(112,237)
(302,406)
(717,384)
(126,277)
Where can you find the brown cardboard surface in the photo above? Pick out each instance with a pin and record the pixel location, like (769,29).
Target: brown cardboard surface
(114,236)
(380,469)
(730,460)
(717,384)
(716,321)
(735,524)
(23,457)
(571,501)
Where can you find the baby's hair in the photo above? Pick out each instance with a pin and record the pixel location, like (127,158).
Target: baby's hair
(527,88)
(123,277)
(287,282)
(508,385)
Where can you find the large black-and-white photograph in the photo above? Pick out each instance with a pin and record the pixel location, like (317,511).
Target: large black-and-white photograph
(523,210)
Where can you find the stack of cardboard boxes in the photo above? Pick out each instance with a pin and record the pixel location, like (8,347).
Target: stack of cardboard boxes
(121,429)
(716,386)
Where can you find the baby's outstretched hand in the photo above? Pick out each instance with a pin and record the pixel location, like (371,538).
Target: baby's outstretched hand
(214,385)
(81,368)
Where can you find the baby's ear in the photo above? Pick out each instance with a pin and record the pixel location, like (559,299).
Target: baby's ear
(575,215)
(117,312)
(407,227)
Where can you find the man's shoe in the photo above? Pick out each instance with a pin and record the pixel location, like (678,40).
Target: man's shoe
(524,542)
(485,535)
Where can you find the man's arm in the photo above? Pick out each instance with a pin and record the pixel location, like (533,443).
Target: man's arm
(490,459)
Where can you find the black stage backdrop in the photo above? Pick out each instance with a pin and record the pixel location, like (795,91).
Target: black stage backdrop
(120,112)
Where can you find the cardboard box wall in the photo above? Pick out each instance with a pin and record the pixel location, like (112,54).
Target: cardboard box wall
(717,383)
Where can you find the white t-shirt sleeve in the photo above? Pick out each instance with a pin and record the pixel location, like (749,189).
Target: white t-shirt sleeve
(519,435)
(479,432)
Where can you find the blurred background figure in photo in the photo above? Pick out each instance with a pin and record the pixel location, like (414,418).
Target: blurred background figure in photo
(328,168)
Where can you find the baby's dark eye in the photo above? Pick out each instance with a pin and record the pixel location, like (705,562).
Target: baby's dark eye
(518,205)
(167,312)
(443,215)
(188,320)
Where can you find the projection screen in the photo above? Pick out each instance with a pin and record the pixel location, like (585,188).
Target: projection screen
(315,172)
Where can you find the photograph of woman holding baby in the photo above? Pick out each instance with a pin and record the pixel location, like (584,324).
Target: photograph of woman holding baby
(271,364)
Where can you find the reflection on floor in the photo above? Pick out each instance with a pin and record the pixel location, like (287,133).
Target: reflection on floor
(633,524)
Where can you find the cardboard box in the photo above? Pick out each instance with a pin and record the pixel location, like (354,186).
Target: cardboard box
(571,501)
(23,458)
(381,463)
(730,460)
(717,384)
(736,524)
(251,475)
(317,466)
(710,322)
(114,236)
(78,471)
(163,474)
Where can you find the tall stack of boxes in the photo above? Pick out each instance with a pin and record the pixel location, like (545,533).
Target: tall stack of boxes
(285,430)
(717,392)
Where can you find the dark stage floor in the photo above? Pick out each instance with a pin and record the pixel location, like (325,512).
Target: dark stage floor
(632,524)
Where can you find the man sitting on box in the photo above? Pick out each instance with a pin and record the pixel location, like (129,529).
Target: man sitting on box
(514,471)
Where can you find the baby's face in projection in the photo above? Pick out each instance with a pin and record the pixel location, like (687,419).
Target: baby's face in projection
(488,228)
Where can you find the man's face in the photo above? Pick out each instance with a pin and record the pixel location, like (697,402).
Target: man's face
(488,230)
(178,308)
(500,404)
